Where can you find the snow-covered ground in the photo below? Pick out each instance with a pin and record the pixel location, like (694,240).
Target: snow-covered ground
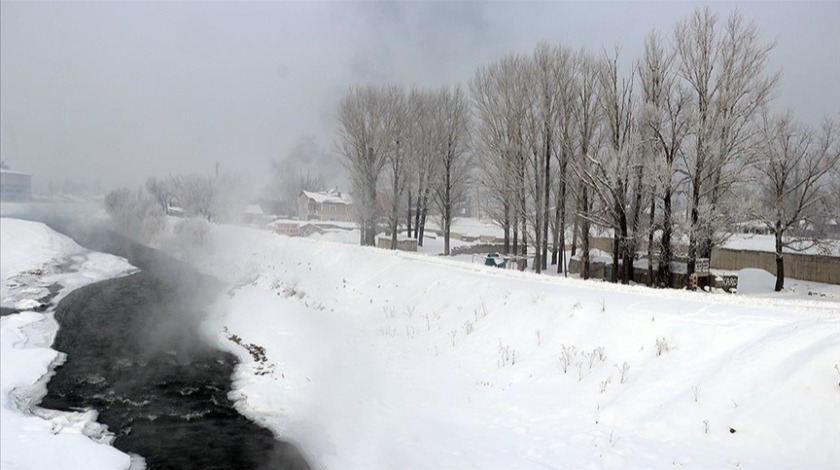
(378,359)
(32,259)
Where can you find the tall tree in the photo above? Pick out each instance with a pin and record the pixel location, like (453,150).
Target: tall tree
(364,142)
(564,73)
(587,123)
(664,125)
(725,69)
(400,121)
(610,171)
(793,169)
(452,130)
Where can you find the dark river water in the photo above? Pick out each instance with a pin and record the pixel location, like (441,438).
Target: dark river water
(134,354)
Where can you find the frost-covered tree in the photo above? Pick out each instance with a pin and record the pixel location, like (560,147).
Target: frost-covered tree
(364,142)
(564,148)
(725,68)
(134,213)
(401,121)
(615,173)
(663,127)
(195,195)
(500,101)
(422,162)
(793,164)
(452,127)
(587,122)
(162,190)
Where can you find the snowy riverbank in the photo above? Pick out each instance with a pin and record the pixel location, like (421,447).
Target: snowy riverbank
(375,359)
(33,260)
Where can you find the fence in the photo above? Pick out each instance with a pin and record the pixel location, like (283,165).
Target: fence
(797,266)
(806,267)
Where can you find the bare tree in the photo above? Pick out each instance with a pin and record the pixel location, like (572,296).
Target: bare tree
(587,122)
(364,143)
(422,156)
(664,124)
(163,191)
(452,130)
(195,194)
(793,169)
(610,171)
(501,100)
(725,69)
(564,73)
(400,122)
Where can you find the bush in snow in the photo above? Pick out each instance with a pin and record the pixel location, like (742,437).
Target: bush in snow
(192,230)
(696,392)
(135,214)
(622,370)
(567,356)
(662,346)
(605,383)
(506,355)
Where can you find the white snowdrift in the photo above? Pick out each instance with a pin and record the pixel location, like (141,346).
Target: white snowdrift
(38,439)
(379,359)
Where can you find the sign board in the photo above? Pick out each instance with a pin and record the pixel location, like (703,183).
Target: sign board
(702,267)
(726,282)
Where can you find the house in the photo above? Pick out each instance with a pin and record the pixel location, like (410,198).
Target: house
(253,214)
(295,228)
(15,186)
(325,206)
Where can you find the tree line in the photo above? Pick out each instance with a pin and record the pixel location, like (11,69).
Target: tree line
(674,149)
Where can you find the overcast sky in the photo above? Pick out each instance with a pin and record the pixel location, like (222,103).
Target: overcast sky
(120,91)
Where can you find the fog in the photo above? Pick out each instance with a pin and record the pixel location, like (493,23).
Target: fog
(116,92)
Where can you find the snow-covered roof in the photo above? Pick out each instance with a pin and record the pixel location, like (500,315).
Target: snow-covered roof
(333,197)
(253,209)
(10,172)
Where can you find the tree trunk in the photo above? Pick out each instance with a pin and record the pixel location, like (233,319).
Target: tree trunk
(665,253)
(616,254)
(555,235)
(422,213)
(546,201)
(408,216)
(506,227)
(780,260)
(538,216)
(515,234)
(584,227)
(624,247)
(651,282)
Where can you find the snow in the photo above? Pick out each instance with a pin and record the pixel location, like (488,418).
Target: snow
(381,359)
(331,197)
(253,209)
(34,438)
(755,281)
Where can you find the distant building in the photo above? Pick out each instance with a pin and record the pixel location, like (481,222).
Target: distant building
(325,206)
(15,186)
(254,214)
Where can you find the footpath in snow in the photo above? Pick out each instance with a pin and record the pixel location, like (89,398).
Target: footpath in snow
(38,267)
(377,359)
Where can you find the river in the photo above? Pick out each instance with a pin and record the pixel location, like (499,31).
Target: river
(134,354)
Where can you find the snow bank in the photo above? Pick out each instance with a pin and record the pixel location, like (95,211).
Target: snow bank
(32,258)
(377,359)
(753,281)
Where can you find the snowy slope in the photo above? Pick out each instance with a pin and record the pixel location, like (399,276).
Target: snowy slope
(32,258)
(377,359)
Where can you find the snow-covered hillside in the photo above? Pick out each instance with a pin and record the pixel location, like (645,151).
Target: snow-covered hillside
(377,359)
(34,260)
